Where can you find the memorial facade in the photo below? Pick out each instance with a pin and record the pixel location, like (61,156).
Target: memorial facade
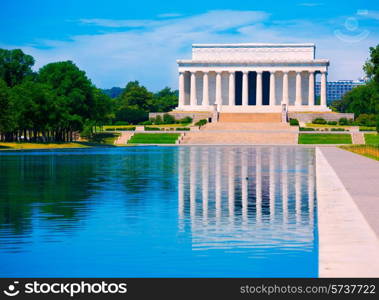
(252,78)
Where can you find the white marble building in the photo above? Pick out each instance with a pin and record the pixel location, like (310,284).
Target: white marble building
(251,78)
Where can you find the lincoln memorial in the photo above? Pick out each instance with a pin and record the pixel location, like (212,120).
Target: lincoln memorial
(252,78)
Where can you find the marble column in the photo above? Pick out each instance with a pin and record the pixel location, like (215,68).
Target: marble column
(205,101)
(218,89)
(298,89)
(232,100)
(323,89)
(311,91)
(285,88)
(193,96)
(259,89)
(272,89)
(245,88)
(181,89)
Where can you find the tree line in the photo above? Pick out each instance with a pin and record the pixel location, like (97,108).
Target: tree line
(363,100)
(59,101)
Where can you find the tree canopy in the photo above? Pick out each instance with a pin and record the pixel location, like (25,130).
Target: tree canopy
(60,100)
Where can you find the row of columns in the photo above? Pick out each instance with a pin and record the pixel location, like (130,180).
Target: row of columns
(245,89)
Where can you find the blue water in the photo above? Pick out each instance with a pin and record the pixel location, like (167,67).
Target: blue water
(159,212)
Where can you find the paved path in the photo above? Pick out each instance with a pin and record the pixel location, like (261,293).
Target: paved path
(348,245)
(123,138)
(360,176)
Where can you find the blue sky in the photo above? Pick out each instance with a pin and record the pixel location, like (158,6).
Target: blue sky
(116,41)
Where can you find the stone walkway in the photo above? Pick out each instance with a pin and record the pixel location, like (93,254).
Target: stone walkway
(360,176)
(348,213)
(124,137)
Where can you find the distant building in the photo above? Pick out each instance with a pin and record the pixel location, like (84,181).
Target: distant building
(336,89)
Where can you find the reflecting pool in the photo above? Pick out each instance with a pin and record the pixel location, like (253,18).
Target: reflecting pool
(159,212)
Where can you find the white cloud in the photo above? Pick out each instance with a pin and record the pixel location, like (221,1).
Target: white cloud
(146,50)
(311,4)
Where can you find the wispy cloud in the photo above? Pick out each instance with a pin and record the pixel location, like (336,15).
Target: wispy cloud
(169,15)
(311,4)
(147,50)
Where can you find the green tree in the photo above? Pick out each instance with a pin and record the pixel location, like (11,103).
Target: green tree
(165,100)
(364,99)
(136,95)
(7,123)
(371,67)
(15,66)
(75,92)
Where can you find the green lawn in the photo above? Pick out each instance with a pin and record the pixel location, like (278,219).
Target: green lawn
(31,146)
(371,151)
(154,138)
(372,138)
(319,138)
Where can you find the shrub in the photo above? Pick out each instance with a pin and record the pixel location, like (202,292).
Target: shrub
(120,128)
(332,122)
(158,120)
(377,123)
(366,120)
(182,128)
(121,123)
(294,122)
(186,120)
(337,129)
(168,119)
(343,121)
(306,129)
(147,128)
(201,122)
(319,121)
(146,123)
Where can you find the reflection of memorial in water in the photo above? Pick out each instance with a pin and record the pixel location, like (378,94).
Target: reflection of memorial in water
(247,197)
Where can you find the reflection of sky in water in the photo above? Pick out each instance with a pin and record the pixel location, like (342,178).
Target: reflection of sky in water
(158,211)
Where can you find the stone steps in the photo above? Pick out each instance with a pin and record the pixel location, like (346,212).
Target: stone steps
(240,138)
(247,127)
(250,117)
(124,137)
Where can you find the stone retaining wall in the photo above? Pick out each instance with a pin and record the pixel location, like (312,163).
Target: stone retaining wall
(196,116)
(328,116)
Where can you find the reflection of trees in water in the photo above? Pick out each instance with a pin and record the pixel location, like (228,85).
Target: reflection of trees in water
(152,171)
(54,186)
(63,188)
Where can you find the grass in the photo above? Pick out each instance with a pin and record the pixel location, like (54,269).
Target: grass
(107,138)
(371,151)
(26,146)
(319,138)
(154,138)
(372,138)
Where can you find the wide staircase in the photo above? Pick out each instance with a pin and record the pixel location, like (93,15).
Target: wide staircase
(243,133)
(250,117)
